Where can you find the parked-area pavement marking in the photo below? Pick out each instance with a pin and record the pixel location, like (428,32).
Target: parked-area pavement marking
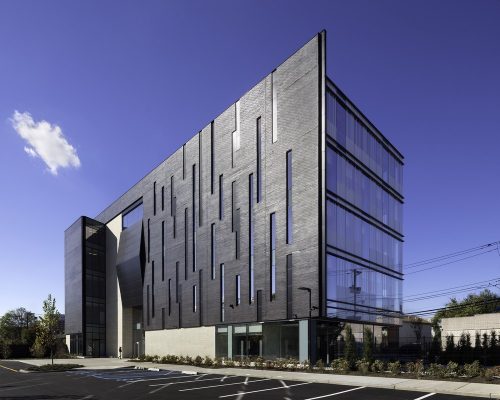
(265,390)
(246,382)
(425,396)
(336,393)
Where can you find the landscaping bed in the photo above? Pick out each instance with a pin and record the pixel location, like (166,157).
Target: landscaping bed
(472,372)
(53,367)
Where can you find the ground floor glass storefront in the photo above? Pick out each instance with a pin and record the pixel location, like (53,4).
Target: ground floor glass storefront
(267,340)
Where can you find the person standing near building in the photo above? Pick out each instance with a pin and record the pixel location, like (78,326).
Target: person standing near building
(120,352)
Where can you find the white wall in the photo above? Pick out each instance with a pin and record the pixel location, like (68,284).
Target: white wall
(483,323)
(182,342)
(114,328)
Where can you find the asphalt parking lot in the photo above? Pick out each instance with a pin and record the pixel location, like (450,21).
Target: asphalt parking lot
(129,383)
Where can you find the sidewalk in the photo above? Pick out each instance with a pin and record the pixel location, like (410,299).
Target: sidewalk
(444,387)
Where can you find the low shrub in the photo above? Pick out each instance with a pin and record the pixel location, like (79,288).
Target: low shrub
(340,366)
(491,373)
(452,369)
(436,371)
(197,361)
(416,368)
(394,367)
(320,366)
(363,366)
(208,362)
(172,359)
(229,363)
(378,366)
(188,360)
(259,362)
(217,362)
(473,369)
(148,358)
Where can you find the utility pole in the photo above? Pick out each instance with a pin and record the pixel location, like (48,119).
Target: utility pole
(354,288)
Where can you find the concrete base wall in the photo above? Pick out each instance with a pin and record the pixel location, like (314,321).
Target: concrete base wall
(68,341)
(182,342)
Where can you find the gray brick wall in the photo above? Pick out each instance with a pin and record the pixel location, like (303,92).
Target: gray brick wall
(297,85)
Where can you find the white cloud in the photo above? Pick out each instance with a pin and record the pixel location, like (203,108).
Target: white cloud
(46,141)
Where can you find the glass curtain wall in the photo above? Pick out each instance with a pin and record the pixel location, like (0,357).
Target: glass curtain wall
(95,289)
(353,135)
(363,221)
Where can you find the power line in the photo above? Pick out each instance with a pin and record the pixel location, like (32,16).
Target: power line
(455,289)
(457,307)
(450,262)
(450,255)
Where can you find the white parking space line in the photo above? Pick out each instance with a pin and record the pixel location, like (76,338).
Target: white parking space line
(164,385)
(153,379)
(336,393)
(264,390)
(24,387)
(424,397)
(246,382)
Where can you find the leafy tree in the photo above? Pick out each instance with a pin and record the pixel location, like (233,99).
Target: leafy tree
(368,344)
(350,346)
(482,303)
(485,343)
(17,327)
(48,327)
(416,326)
(450,346)
(477,347)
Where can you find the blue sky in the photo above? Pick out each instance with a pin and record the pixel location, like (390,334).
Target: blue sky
(128,82)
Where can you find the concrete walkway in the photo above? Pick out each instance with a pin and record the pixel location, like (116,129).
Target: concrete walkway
(423,385)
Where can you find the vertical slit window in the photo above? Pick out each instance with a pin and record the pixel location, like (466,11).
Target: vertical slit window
(238,290)
(147,305)
(163,198)
(289,185)
(154,198)
(212,156)
(233,189)
(177,281)
(250,241)
(221,196)
(149,241)
(274,108)
(183,161)
(237,233)
(172,213)
(272,245)
(153,289)
(221,286)
(236,133)
(200,189)
(185,243)
(193,220)
(174,226)
(289,287)
(259,151)
(163,318)
(162,250)
(169,296)
(194,298)
(233,195)
(212,250)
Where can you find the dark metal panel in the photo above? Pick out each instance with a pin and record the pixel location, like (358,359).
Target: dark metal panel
(130,265)
(73,274)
